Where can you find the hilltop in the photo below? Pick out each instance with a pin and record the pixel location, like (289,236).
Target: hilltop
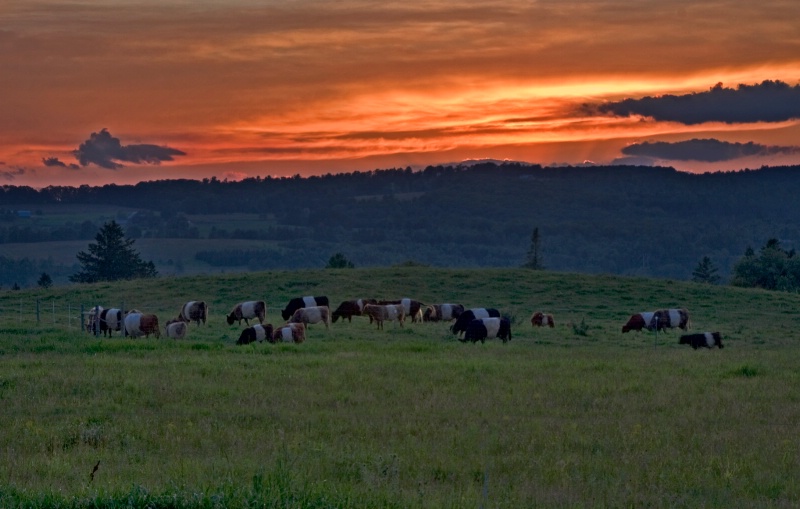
(628,220)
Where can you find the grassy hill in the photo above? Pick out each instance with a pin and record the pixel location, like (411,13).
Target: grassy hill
(406,417)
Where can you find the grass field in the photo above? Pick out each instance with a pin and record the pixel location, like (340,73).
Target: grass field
(408,417)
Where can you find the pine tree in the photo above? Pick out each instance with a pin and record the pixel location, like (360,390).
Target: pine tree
(705,272)
(534,257)
(45,281)
(339,261)
(112,258)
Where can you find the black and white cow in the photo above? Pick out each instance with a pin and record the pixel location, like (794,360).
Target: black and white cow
(194,311)
(289,333)
(664,319)
(442,312)
(480,329)
(247,311)
(303,302)
(257,332)
(702,340)
(471,314)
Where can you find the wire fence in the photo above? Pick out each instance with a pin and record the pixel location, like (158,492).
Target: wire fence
(61,313)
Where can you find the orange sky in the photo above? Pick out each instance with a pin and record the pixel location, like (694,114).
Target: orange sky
(279,88)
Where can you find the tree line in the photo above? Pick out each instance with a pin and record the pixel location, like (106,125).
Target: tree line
(646,221)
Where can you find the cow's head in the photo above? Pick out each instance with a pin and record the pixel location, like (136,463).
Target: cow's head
(247,336)
(230,318)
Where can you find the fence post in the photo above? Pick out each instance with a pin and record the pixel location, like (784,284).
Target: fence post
(96,309)
(54,311)
(655,338)
(83,324)
(37,310)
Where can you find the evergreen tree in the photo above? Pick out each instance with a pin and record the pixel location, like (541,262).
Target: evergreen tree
(339,261)
(45,281)
(534,257)
(112,258)
(705,272)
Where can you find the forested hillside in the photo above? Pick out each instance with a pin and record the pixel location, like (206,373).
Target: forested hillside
(646,221)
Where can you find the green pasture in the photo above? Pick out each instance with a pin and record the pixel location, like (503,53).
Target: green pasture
(577,416)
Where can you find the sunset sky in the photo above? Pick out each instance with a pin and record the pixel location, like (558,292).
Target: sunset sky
(95,92)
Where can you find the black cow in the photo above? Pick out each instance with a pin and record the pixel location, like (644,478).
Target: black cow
(257,332)
(492,327)
(471,314)
(702,340)
(303,302)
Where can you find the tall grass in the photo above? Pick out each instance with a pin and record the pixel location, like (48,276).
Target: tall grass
(407,417)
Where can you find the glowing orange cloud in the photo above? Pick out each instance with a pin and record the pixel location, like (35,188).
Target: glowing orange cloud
(305,87)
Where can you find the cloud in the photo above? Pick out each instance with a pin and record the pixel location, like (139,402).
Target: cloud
(54,161)
(105,150)
(12,173)
(705,150)
(769,101)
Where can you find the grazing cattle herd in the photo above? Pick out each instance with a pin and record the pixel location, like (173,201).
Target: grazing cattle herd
(475,324)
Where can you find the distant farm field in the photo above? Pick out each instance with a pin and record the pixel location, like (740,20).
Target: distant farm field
(576,416)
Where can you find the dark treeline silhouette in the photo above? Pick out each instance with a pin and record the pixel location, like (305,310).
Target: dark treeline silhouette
(649,221)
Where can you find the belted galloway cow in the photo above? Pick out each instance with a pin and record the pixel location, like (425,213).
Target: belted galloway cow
(467,316)
(194,311)
(442,312)
(702,340)
(247,311)
(139,324)
(257,332)
(480,329)
(303,302)
(289,333)
(539,319)
(385,312)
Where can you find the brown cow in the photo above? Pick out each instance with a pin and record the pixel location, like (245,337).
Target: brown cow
(313,314)
(539,319)
(350,308)
(247,310)
(141,324)
(385,312)
(194,311)
(291,332)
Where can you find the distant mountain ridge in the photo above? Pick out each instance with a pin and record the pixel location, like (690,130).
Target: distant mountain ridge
(633,220)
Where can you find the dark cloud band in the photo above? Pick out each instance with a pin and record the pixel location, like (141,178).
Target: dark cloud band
(107,151)
(705,150)
(768,101)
